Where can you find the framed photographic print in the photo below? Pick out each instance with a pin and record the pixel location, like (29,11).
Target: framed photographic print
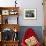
(5,12)
(29,13)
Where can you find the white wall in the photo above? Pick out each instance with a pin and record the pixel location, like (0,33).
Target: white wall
(7,3)
(33,4)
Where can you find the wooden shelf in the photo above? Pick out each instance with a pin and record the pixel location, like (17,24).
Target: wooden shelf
(5,12)
(9,11)
(10,43)
(3,8)
(11,26)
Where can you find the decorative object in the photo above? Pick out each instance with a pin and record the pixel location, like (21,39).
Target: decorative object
(15,3)
(15,30)
(31,41)
(29,13)
(15,37)
(5,12)
(15,34)
(7,34)
(6,21)
(13,12)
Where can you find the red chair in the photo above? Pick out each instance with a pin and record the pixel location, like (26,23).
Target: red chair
(29,33)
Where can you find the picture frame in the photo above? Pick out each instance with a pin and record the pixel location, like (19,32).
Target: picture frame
(29,13)
(5,12)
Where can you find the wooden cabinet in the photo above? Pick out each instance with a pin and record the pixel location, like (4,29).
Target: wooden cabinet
(5,26)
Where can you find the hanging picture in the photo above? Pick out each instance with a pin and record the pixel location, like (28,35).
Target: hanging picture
(29,13)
